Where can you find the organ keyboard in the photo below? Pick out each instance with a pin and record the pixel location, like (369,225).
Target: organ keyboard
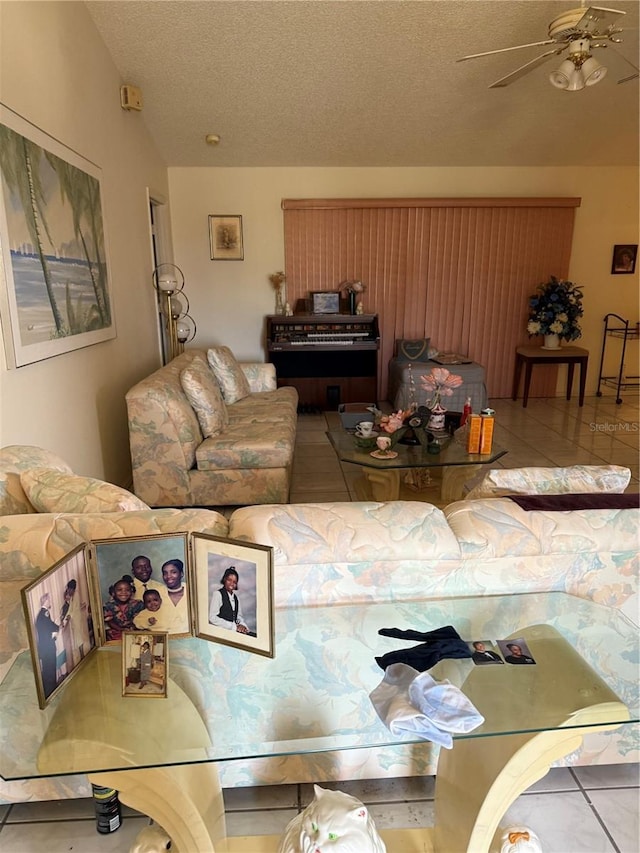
(329,358)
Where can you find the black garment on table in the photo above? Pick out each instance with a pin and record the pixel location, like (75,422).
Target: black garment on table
(441,643)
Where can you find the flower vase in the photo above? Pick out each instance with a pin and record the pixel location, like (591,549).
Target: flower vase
(551,342)
(279,301)
(437,418)
(352,302)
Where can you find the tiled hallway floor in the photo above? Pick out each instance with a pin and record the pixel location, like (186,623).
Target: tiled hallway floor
(590,809)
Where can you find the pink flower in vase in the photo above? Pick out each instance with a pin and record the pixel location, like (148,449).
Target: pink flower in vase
(440,383)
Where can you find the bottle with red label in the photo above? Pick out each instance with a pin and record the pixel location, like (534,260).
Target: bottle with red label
(466,411)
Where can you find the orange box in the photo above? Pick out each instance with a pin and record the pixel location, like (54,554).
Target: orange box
(475,429)
(486,433)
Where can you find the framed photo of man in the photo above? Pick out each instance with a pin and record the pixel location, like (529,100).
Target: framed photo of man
(142,584)
(233,593)
(60,625)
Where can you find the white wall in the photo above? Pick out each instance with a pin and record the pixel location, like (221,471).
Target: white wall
(56,73)
(229,299)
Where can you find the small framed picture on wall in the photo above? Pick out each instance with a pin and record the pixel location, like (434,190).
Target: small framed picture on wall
(624,259)
(225,238)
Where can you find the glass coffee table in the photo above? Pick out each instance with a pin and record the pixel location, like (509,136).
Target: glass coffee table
(225,704)
(382,477)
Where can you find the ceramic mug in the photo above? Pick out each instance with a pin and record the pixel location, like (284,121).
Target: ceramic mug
(364,429)
(383,443)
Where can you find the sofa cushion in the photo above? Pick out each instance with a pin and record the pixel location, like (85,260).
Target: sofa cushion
(233,383)
(243,445)
(552,481)
(14,459)
(498,527)
(55,491)
(203,393)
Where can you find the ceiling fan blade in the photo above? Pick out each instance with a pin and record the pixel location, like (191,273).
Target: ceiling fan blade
(505,49)
(628,61)
(597,20)
(524,69)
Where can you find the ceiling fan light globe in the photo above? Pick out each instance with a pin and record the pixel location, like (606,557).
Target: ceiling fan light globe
(562,77)
(593,71)
(576,81)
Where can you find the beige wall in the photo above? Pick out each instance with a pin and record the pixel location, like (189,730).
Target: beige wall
(56,73)
(230,298)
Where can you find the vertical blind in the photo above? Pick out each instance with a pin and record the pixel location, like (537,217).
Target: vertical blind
(459,271)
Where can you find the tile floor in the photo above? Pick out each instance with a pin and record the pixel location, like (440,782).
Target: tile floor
(573,810)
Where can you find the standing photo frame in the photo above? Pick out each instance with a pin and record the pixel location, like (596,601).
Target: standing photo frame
(624,259)
(145,664)
(225,238)
(55,291)
(142,584)
(60,628)
(233,593)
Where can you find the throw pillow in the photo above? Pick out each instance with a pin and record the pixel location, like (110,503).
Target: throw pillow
(413,350)
(203,393)
(233,383)
(577,479)
(54,491)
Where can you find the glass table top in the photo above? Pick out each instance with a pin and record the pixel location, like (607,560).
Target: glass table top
(228,704)
(410,456)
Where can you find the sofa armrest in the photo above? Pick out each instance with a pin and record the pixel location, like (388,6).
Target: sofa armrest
(261,377)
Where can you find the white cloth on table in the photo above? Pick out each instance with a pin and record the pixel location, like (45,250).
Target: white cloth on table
(412,702)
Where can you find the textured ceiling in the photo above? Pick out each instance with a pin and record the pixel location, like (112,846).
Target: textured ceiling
(365,83)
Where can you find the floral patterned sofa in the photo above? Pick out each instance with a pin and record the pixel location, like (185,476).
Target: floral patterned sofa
(365,553)
(205,430)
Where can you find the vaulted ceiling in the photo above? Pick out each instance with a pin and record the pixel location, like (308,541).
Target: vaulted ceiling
(366,83)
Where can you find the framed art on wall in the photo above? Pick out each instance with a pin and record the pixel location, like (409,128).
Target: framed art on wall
(54,278)
(624,259)
(58,613)
(233,592)
(225,238)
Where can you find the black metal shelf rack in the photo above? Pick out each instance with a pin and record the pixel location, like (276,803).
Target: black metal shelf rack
(617,327)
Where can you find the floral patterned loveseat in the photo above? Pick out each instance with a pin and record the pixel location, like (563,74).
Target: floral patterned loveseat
(247,459)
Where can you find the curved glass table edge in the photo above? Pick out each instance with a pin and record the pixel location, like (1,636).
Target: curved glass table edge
(375,736)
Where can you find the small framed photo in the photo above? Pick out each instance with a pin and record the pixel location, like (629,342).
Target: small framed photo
(142,585)
(516,651)
(325,302)
(624,259)
(145,664)
(233,593)
(225,238)
(60,627)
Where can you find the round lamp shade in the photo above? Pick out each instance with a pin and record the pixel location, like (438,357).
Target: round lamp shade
(562,77)
(592,71)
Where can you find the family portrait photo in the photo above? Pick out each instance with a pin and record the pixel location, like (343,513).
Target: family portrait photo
(144,664)
(234,593)
(142,584)
(59,622)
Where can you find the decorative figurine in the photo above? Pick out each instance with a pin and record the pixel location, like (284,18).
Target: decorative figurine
(151,839)
(332,821)
(287,310)
(519,839)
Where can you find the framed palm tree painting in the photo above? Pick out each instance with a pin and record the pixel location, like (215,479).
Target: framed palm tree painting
(54,278)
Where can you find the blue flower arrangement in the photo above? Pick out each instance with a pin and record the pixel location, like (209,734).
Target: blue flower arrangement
(554,309)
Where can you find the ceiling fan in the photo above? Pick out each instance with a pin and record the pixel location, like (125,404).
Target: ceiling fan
(580,30)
